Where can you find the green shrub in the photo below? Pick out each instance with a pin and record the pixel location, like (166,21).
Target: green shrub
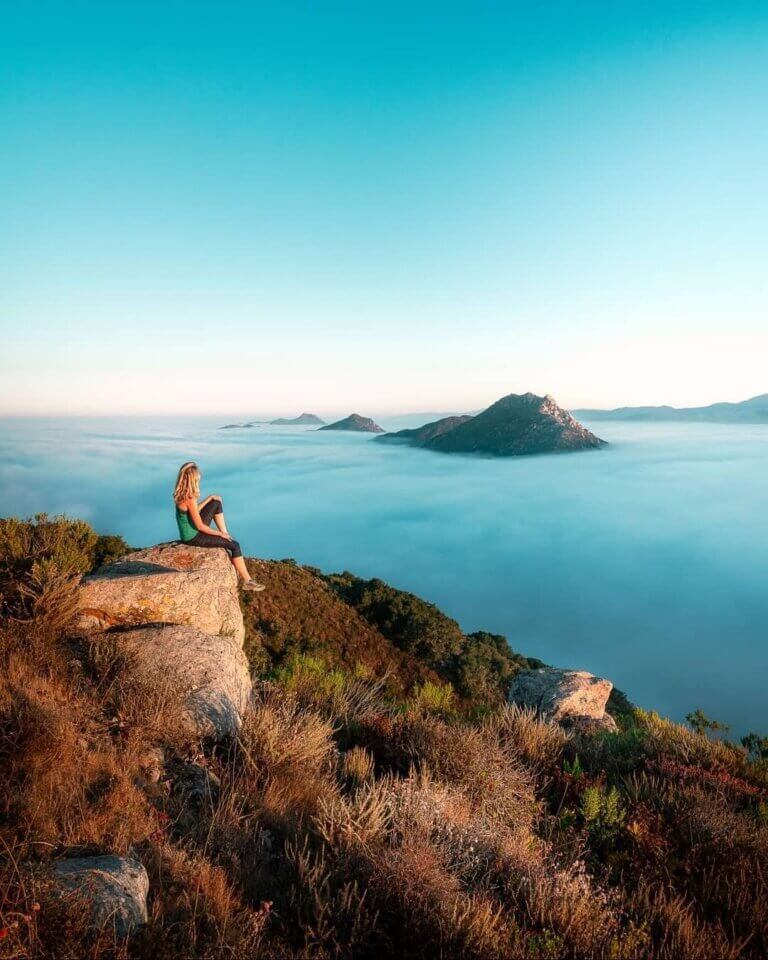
(408,621)
(603,813)
(573,768)
(756,746)
(485,667)
(480,665)
(346,696)
(701,723)
(433,698)
(39,560)
(108,549)
(69,544)
(308,676)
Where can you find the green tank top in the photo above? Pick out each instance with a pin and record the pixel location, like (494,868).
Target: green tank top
(187,531)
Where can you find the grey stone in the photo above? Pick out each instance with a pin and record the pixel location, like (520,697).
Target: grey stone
(210,671)
(195,783)
(114,888)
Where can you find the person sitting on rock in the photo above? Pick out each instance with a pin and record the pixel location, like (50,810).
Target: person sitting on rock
(194,521)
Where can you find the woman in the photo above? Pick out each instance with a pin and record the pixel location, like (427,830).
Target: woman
(194,521)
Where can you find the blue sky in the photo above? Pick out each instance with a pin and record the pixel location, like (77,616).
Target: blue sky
(266,208)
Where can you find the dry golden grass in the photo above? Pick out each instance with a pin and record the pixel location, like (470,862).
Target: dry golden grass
(458,753)
(676,930)
(195,911)
(523,737)
(357,766)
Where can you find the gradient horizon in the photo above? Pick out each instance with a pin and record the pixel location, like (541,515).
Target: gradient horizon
(334,207)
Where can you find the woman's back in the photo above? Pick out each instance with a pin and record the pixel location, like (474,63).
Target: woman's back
(187,530)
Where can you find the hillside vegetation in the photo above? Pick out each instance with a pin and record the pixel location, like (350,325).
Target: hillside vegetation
(381,797)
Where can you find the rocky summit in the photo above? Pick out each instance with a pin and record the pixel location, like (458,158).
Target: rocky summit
(516,425)
(355,423)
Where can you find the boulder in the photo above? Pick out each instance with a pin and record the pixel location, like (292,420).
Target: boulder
(210,671)
(572,698)
(169,583)
(114,889)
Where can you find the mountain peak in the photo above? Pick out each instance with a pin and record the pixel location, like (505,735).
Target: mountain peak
(356,424)
(515,425)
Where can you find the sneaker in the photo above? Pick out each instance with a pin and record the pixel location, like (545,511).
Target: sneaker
(252,586)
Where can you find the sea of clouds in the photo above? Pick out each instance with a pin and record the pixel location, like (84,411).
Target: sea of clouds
(645,562)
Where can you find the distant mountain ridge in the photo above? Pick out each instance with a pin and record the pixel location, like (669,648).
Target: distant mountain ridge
(420,435)
(516,425)
(304,419)
(754,410)
(355,424)
(309,419)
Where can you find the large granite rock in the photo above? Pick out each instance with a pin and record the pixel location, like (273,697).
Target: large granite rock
(169,583)
(211,672)
(114,888)
(573,698)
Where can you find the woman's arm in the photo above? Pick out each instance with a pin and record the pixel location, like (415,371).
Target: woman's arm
(213,496)
(197,520)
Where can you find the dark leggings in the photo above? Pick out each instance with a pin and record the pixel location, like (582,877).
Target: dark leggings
(207,514)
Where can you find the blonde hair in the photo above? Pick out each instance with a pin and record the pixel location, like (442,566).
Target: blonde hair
(187,482)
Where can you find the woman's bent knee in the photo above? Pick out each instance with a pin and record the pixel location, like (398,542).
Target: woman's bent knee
(234,549)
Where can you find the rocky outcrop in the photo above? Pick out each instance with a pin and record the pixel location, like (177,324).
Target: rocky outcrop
(175,610)
(169,583)
(114,889)
(517,425)
(210,671)
(420,435)
(573,698)
(355,423)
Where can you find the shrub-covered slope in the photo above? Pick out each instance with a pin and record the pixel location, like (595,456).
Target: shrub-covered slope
(299,612)
(352,816)
(371,626)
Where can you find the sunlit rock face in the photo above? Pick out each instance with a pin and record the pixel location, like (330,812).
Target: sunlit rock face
(569,697)
(167,583)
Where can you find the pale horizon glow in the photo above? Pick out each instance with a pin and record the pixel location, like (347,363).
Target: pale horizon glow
(256,211)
